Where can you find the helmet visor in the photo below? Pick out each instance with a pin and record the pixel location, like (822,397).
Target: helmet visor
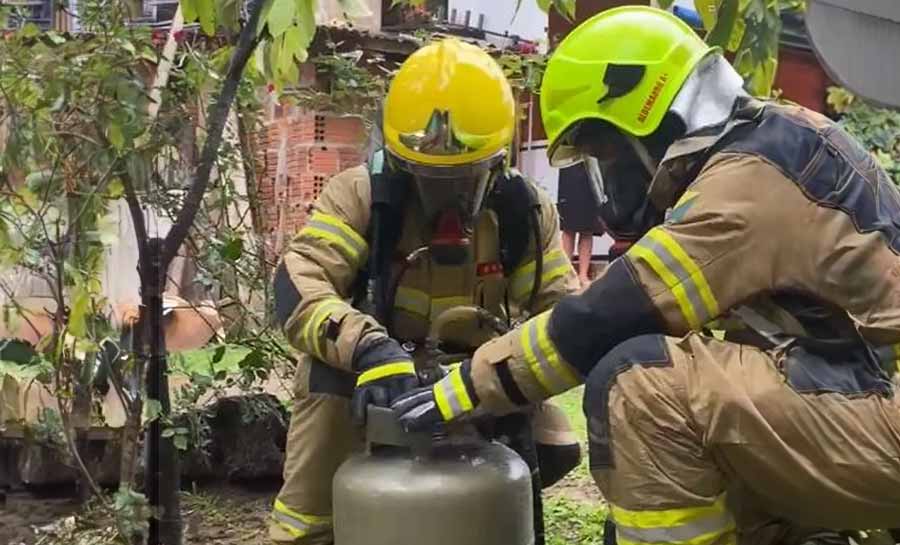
(460,188)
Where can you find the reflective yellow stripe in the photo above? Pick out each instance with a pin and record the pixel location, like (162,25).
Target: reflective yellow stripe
(666,517)
(555,265)
(440,304)
(686,526)
(387,370)
(897,357)
(671,282)
(311,333)
(688,196)
(548,367)
(696,275)
(532,361)
(332,229)
(563,369)
(413,301)
(451,396)
(297,524)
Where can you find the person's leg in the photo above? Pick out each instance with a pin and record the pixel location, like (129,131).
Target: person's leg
(568,243)
(320,438)
(558,450)
(673,423)
(645,455)
(585,249)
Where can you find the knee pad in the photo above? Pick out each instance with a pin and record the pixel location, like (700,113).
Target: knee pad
(556,461)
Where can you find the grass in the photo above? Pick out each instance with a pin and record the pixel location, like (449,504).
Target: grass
(573,510)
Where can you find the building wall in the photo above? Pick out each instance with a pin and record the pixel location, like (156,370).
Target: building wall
(298,151)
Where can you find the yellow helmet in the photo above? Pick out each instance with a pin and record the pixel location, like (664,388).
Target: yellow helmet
(448,105)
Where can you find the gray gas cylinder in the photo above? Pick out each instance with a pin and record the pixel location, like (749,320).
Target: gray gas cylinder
(420,490)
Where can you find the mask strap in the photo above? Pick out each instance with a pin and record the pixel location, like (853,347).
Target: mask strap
(641,151)
(595,174)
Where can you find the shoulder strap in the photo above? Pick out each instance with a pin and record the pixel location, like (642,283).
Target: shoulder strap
(517,206)
(390,189)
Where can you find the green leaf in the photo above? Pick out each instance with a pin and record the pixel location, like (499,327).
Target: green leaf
(200,362)
(665,4)
(229,14)
(29,30)
(207,11)
(737,35)
(306,20)
(264,16)
(762,78)
(232,250)
(218,354)
(180,442)
(55,38)
(566,8)
(115,189)
(152,411)
(293,43)
(168,432)
(721,33)
(24,373)
(282,16)
(708,11)
(544,5)
(115,135)
(189,10)
(79,307)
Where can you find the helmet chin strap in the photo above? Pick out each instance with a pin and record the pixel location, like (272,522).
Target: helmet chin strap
(707,97)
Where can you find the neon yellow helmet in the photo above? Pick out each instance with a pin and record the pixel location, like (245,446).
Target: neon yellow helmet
(623,66)
(449,104)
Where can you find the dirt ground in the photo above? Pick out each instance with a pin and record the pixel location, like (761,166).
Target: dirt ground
(215,514)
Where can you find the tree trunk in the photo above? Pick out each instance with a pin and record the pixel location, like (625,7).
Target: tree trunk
(163,474)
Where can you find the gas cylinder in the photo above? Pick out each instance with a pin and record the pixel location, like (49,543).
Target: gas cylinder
(425,489)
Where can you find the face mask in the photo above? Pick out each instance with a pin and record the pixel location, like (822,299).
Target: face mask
(451,199)
(620,179)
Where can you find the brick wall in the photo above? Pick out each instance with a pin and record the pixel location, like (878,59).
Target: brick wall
(313,147)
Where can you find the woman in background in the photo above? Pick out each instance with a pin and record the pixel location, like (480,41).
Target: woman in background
(578,217)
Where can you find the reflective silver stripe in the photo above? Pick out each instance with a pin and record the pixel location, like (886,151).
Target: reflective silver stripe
(337,231)
(685,533)
(450,396)
(690,286)
(523,278)
(555,382)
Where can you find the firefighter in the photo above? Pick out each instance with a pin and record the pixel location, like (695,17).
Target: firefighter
(435,223)
(767,218)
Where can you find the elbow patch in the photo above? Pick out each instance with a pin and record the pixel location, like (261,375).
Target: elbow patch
(615,308)
(287,296)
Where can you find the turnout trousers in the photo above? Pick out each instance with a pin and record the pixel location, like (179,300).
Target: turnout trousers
(697,441)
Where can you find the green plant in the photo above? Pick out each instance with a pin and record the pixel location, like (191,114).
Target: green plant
(570,522)
(878,129)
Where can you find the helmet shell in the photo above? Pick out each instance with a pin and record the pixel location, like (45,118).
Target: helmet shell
(449,104)
(624,66)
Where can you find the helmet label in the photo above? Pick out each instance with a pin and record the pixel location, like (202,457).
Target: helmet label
(651,100)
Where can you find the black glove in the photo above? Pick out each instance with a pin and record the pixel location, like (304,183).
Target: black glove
(385,371)
(449,398)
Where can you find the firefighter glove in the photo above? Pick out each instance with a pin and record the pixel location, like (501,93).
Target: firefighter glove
(385,371)
(448,399)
